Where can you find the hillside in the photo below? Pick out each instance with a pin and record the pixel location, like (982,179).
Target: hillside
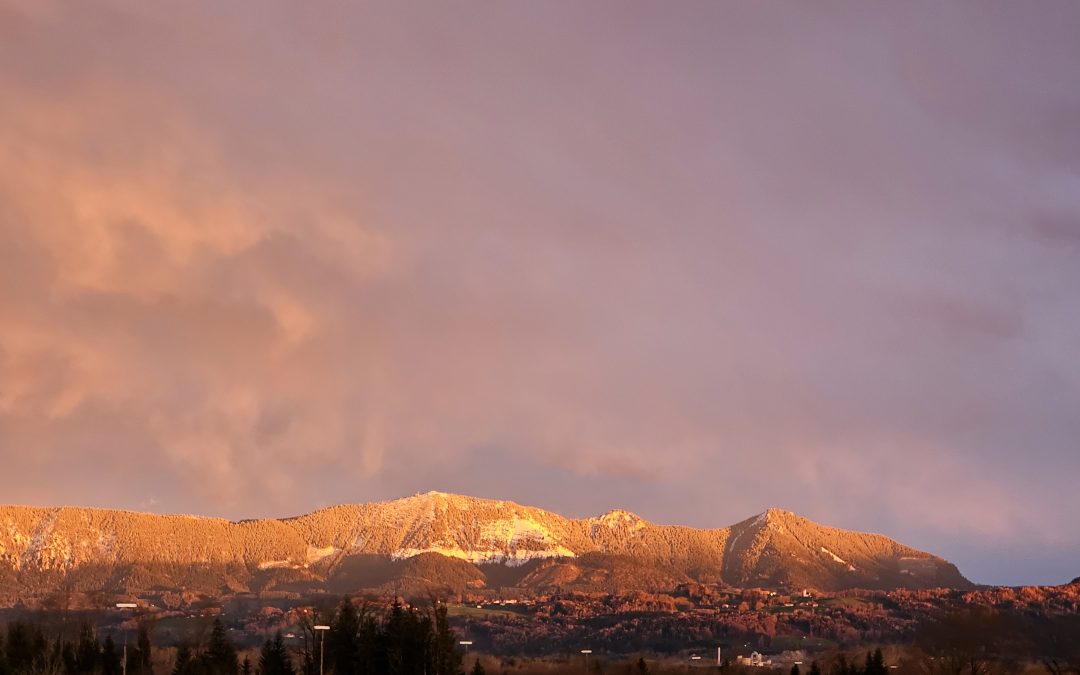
(442,541)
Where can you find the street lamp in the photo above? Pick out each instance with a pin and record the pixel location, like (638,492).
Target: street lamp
(586,652)
(465,644)
(322,645)
(125,605)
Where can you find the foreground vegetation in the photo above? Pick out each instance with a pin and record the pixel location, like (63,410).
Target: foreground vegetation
(401,639)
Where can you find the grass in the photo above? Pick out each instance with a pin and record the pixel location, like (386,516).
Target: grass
(472,610)
(792,642)
(842,601)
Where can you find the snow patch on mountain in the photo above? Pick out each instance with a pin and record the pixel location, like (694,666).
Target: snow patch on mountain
(756,524)
(478,531)
(511,558)
(314,555)
(620,518)
(833,556)
(513,532)
(838,559)
(275,564)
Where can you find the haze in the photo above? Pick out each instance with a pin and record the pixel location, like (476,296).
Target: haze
(693,260)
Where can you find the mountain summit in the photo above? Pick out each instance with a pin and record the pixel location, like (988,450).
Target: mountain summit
(453,540)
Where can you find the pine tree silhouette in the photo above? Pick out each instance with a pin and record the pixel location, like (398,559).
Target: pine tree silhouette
(274,658)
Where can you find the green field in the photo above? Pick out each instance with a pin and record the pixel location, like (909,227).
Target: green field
(486,610)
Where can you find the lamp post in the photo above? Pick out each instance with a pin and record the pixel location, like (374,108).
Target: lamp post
(322,644)
(125,605)
(465,644)
(586,652)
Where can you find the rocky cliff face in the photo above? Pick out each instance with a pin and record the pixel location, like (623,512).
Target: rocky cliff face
(479,542)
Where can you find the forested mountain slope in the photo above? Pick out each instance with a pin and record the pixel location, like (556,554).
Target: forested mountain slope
(453,540)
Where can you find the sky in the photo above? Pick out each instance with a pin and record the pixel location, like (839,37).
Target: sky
(693,259)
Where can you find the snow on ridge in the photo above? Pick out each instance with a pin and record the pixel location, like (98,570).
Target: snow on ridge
(761,519)
(513,539)
(511,558)
(838,559)
(316,554)
(312,556)
(618,517)
(833,556)
(274,564)
(512,531)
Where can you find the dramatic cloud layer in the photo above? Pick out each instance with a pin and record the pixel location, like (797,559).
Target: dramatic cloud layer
(692,260)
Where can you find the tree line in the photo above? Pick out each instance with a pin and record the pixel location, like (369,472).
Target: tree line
(399,640)
(26,650)
(364,640)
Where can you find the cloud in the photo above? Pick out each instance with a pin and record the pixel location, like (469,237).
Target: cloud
(694,263)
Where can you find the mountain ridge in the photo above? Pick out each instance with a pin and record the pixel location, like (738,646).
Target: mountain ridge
(129,549)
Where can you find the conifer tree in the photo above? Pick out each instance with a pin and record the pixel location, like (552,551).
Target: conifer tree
(342,640)
(308,665)
(417,643)
(4,670)
(182,665)
(67,658)
(143,641)
(393,639)
(274,658)
(110,658)
(875,663)
(369,646)
(220,657)
(842,667)
(446,658)
(24,646)
(88,650)
(477,669)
